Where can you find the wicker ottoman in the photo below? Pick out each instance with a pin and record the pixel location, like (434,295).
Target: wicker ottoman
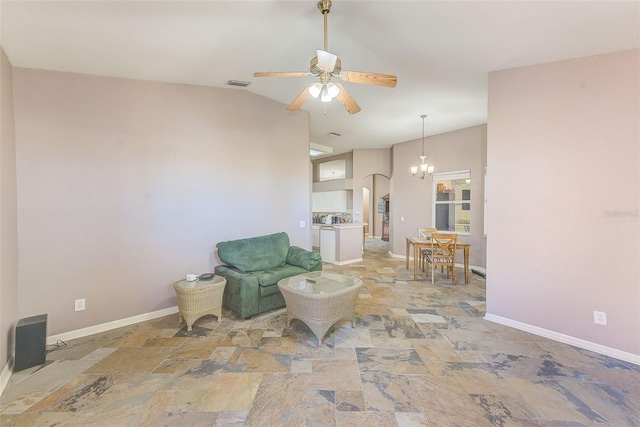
(319,299)
(199,298)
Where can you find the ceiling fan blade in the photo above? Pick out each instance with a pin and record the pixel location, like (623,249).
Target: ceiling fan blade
(326,60)
(299,99)
(347,100)
(386,80)
(282,74)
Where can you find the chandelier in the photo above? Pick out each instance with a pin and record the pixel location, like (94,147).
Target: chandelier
(425,168)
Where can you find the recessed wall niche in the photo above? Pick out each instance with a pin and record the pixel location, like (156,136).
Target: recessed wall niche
(335,169)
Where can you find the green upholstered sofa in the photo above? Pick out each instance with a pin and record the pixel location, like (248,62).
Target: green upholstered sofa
(253,267)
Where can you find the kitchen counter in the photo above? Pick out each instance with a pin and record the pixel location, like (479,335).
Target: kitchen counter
(342,243)
(341,225)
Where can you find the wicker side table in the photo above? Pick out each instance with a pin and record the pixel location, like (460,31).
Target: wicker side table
(199,298)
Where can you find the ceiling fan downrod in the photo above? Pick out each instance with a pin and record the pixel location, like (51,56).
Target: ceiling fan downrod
(325,8)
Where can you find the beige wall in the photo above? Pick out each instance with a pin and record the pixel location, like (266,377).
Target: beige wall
(462,149)
(563,198)
(366,164)
(8,216)
(125,186)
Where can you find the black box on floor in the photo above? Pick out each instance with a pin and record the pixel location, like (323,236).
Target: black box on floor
(31,342)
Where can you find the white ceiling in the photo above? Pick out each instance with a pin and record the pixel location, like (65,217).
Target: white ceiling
(441,51)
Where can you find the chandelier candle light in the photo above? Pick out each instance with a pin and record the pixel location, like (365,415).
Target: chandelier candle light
(425,168)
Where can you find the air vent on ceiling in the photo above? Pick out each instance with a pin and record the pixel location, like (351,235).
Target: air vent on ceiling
(334,134)
(238,83)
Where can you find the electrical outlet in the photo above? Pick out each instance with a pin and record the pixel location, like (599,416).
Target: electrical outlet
(303,224)
(79,304)
(599,317)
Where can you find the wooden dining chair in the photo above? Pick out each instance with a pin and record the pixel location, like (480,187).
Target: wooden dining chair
(442,252)
(425,233)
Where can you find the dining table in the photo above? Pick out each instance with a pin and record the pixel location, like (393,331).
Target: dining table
(422,242)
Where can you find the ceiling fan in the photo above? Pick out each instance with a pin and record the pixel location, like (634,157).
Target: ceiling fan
(325,66)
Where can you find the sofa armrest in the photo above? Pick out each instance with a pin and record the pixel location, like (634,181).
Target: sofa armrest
(303,258)
(242,292)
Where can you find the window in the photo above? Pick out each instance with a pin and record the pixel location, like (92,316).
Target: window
(452,201)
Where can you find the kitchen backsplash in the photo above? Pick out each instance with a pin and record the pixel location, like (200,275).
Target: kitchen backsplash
(335,217)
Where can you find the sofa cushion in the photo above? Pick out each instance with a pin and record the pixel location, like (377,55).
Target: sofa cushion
(269,290)
(271,277)
(303,258)
(255,253)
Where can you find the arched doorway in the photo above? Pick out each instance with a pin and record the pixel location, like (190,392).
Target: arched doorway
(365,209)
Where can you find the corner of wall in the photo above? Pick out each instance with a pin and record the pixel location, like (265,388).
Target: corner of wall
(8,219)
(5,375)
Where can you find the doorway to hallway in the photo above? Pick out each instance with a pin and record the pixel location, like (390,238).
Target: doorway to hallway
(376,205)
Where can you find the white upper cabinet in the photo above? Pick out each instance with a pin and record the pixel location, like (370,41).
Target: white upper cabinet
(338,201)
(317,202)
(330,201)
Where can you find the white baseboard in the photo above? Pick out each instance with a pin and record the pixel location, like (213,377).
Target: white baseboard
(350,261)
(79,333)
(398,256)
(577,342)
(5,376)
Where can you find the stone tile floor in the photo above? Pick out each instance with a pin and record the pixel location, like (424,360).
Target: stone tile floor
(420,355)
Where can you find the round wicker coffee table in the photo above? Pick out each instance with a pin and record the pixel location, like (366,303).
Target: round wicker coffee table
(199,298)
(319,299)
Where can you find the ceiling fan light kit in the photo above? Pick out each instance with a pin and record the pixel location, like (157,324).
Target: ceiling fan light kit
(315,89)
(326,65)
(326,92)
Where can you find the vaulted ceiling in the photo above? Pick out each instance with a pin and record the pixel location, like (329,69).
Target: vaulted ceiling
(441,51)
